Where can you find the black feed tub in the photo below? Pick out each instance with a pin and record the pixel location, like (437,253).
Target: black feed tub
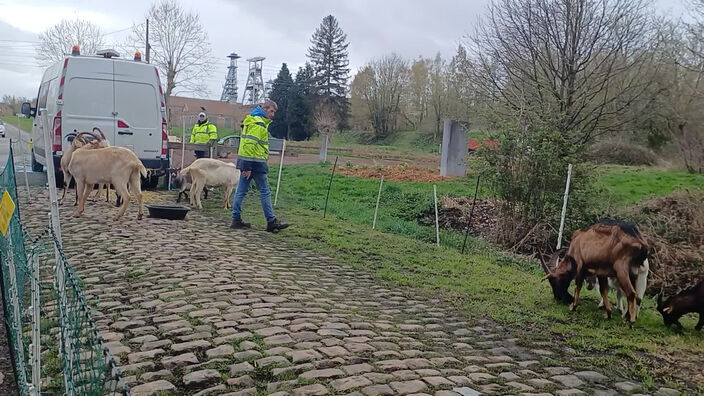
(170,212)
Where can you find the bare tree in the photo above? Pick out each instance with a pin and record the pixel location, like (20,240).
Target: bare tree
(416,107)
(679,91)
(56,41)
(438,89)
(325,119)
(381,84)
(15,102)
(579,62)
(179,47)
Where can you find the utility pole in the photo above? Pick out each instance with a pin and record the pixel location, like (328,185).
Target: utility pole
(147,48)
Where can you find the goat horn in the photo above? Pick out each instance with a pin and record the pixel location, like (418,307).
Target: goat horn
(100,132)
(545,277)
(543,264)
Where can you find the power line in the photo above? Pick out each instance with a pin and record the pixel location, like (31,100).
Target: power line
(19,41)
(122,30)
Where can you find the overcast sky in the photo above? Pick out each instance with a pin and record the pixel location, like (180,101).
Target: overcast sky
(278,30)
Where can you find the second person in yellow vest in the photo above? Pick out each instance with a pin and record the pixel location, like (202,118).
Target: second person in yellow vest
(203,132)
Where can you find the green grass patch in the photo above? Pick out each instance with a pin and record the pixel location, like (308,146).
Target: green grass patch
(353,199)
(630,184)
(24,124)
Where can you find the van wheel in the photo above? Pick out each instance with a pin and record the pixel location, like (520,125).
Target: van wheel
(36,166)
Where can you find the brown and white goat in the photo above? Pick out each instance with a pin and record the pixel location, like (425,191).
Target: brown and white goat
(111,165)
(211,172)
(684,302)
(606,249)
(641,285)
(183,183)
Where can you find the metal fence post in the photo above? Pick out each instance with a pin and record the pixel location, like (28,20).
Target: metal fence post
(65,341)
(378,198)
(437,221)
(564,207)
(281,165)
(35,349)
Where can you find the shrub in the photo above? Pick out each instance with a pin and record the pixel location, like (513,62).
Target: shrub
(527,173)
(621,153)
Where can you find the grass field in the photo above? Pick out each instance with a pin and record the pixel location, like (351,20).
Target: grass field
(630,184)
(24,123)
(484,282)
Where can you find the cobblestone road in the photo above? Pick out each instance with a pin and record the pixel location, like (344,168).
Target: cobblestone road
(192,307)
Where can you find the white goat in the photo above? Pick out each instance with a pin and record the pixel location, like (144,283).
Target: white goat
(104,142)
(111,165)
(78,141)
(640,285)
(211,172)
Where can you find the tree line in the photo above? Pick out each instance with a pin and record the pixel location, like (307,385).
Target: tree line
(316,100)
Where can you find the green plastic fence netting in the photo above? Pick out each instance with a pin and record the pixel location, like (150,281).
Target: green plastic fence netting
(87,366)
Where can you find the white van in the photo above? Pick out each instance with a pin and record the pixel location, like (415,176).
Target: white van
(122,97)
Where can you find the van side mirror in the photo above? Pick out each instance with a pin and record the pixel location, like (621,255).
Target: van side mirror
(27,110)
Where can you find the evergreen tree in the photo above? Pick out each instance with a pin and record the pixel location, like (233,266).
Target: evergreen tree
(280,93)
(329,58)
(300,104)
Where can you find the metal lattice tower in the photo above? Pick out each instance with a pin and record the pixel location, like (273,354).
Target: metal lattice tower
(254,89)
(229,90)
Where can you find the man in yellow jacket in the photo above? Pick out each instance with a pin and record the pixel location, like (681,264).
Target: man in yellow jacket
(203,132)
(252,156)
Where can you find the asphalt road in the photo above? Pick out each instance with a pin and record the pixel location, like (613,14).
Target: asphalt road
(20,143)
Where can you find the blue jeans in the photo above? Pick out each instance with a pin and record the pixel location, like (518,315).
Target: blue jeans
(264,195)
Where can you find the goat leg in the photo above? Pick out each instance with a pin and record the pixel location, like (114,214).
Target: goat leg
(624,279)
(577,286)
(700,324)
(80,202)
(604,289)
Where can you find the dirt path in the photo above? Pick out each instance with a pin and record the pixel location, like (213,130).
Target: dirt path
(192,306)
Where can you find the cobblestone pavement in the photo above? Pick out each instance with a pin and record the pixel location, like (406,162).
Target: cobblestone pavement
(192,307)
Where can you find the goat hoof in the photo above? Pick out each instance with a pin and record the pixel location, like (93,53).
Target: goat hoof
(573,307)
(607,315)
(139,216)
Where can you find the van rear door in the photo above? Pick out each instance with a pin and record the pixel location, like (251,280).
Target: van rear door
(88,97)
(137,109)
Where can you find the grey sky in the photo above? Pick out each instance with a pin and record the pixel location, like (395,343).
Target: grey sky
(278,30)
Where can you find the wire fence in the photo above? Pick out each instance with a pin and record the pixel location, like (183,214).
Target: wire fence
(87,368)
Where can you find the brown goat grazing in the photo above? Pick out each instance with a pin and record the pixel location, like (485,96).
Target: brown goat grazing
(684,302)
(606,249)
(560,293)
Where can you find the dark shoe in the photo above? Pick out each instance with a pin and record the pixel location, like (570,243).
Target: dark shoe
(275,226)
(239,224)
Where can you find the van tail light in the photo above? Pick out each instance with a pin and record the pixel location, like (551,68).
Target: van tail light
(164,138)
(56,135)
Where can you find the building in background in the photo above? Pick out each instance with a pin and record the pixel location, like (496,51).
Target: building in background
(227,116)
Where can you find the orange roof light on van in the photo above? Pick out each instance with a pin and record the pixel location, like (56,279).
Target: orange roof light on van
(138,56)
(75,50)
